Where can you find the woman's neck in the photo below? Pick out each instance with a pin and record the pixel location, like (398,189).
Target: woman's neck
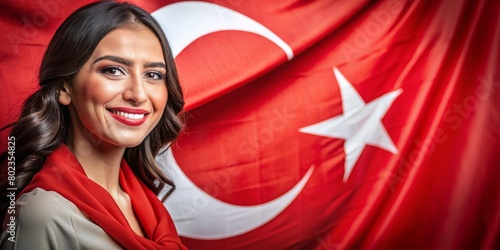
(101,162)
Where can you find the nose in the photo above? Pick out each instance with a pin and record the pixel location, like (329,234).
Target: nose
(135,91)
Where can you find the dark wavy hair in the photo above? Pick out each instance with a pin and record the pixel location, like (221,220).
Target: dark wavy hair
(44,123)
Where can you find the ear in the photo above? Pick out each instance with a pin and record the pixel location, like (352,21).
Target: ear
(65,94)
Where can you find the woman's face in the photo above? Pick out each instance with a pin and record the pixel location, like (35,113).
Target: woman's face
(120,93)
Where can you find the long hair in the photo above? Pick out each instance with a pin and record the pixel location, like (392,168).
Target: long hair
(44,124)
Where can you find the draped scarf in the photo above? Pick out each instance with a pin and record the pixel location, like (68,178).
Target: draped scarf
(63,174)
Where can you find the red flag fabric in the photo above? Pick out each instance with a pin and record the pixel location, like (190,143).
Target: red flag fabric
(318,124)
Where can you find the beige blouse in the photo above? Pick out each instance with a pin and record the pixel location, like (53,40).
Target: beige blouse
(46,220)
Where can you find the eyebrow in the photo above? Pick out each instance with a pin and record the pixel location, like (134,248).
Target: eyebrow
(155,65)
(129,63)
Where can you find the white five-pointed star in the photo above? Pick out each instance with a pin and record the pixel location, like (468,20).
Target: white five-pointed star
(359,125)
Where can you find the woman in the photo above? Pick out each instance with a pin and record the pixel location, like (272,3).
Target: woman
(85,175)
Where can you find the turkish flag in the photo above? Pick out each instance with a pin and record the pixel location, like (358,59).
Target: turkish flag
(318,124)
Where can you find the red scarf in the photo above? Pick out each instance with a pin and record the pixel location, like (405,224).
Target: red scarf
(63,174)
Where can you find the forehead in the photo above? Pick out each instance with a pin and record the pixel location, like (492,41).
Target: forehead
(135,42)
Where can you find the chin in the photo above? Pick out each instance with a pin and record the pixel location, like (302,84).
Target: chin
(128,143)
(132,144)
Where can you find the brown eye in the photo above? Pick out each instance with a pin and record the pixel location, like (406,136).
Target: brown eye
(154,75)
(113,71)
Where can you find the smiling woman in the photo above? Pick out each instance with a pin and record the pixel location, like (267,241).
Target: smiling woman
(86,177)
(120,92)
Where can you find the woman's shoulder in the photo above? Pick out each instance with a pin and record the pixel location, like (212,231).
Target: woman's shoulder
(47,220)
(41,220)
(41,207)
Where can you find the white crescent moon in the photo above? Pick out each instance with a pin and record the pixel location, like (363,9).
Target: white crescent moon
(184,22)
(198,215)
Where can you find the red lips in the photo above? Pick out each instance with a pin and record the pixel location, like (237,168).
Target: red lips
(129,116)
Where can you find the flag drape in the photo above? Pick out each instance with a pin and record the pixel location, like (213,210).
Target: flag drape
(317,124)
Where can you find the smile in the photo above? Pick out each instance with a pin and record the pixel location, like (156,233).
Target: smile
(129,116)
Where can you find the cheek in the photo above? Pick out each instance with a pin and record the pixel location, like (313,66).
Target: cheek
(159,97)
(97,91)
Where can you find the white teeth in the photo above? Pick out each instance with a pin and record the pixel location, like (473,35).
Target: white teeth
(129,116)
